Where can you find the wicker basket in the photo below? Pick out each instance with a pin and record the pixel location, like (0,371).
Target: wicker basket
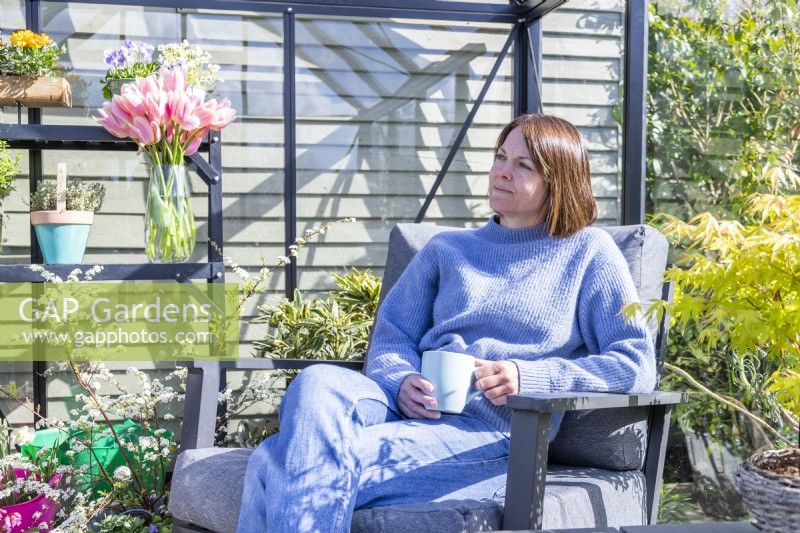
(773,499)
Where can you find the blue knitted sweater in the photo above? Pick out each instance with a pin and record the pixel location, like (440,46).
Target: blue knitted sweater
(552,305)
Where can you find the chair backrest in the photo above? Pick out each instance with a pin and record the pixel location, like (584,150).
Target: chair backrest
(614,439)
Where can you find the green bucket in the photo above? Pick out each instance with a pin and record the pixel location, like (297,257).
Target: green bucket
(105,454)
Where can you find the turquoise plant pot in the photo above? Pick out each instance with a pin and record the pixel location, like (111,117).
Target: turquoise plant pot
(62,235)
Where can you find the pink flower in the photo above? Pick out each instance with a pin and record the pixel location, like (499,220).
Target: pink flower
(154,110)
(184,111)
(145,133)
(155,105)
(9,520)
(115,120)
(130,99)
(194,144)
(217,115)
(173,80)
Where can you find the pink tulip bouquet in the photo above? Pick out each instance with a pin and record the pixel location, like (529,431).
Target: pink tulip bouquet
(168,119)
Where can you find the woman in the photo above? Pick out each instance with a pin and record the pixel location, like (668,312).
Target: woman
(535,295)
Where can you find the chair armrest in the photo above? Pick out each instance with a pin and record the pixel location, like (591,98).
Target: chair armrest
(265,363)
(530,425)
(207,378)
(578,401)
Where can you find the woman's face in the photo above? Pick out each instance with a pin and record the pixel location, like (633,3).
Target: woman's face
(517,192)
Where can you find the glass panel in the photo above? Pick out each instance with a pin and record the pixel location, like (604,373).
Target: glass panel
(582,64)
(252,146)
(723,102)
(16,236)
(379,105)
(248,47)
(13,18)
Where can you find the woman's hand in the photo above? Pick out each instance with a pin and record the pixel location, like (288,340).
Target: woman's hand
(414,396)
(497,379)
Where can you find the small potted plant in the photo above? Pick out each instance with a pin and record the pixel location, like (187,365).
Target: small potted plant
(28,501)
(134,59)
(63,215)
(8,171)
(201,73)
(29,71)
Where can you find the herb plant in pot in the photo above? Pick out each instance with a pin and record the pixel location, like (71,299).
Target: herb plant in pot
(62,216)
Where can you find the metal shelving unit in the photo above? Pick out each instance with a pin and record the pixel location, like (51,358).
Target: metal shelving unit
(37,137)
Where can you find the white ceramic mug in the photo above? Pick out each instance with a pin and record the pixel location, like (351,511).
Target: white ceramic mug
(453,378)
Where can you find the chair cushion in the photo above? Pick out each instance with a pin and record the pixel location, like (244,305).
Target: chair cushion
(615,439)
(207,491)
(618,437)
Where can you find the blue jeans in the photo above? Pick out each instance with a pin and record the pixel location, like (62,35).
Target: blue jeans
(343,446)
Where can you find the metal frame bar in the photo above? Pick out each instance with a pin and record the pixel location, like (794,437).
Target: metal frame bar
(525,482)
(658,432)
(541,9)
(35,171)
(634,121)
(534,94)
(668,295)
(212,175)
(289,146)
(522,71)
(467,123)
(411,9)
(132,272)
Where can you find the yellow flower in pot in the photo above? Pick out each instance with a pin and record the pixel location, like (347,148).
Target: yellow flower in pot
(29,71)
(62,216)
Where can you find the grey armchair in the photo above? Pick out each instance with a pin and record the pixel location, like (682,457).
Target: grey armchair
(603,470)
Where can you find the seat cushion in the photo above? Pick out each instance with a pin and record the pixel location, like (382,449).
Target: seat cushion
(207,491)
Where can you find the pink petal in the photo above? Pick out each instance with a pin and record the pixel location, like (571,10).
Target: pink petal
(194,145)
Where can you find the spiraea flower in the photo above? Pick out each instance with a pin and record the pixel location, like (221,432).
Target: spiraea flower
(122,473)
(23,435)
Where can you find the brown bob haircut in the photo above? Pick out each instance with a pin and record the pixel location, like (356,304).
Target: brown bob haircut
(559,154)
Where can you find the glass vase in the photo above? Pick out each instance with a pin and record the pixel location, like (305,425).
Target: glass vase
(169,235)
